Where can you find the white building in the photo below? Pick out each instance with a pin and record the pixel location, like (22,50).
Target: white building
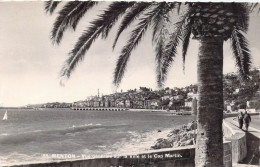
(192,95)
(188,103)
(178,97)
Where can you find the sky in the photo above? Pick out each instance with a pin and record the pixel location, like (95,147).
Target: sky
(30,64)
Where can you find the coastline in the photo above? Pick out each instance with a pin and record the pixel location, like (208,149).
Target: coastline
(135,110)
(182,112)
(184,135)
(120,109)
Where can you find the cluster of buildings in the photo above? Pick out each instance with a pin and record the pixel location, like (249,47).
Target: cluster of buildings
(144,98)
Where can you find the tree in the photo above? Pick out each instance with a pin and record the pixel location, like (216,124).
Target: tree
(144,89)
(210,23)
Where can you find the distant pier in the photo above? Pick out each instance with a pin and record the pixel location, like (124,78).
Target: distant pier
(100,109)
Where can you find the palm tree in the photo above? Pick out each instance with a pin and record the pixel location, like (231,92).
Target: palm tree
(209,23)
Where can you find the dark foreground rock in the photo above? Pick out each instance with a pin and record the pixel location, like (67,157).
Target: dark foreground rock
(178,137)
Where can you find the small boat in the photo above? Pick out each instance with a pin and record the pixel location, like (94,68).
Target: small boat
(5,116)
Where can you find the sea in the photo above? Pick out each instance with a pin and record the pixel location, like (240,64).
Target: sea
(51,135)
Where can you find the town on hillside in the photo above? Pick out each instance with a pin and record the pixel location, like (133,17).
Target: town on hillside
(236,94)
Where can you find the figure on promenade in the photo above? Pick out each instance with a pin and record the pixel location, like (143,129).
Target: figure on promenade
(247,120)
(240,119)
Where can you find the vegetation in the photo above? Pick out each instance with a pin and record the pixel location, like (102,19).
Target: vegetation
(210,23)
(240,93)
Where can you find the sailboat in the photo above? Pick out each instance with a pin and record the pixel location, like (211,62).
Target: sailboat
(5,116)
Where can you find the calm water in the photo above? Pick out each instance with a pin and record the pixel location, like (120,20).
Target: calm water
(28,135)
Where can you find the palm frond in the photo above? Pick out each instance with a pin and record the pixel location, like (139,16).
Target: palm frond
(130,16)
(162,17)
(171,48)
(79,50)
(239,45)
(134,40)
(186,41)
(253,6)
(179,7)
(160,34)
(241,11)
(91,34)
(159,41)
(50,6)
(69,16)
(116,7)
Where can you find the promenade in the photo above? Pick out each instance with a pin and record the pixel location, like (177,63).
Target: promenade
(253,142)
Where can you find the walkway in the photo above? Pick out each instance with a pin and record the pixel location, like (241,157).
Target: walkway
(253,142)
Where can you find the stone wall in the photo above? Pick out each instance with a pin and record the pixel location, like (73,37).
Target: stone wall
(238,139)
(227,155)
(183,157)
(179,157)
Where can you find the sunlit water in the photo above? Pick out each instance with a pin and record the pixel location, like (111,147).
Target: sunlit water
(29,135)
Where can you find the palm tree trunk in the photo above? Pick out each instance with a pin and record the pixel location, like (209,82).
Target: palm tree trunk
(209,145)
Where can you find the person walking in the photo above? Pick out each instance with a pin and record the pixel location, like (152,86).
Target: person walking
(240,119)
(247,120)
